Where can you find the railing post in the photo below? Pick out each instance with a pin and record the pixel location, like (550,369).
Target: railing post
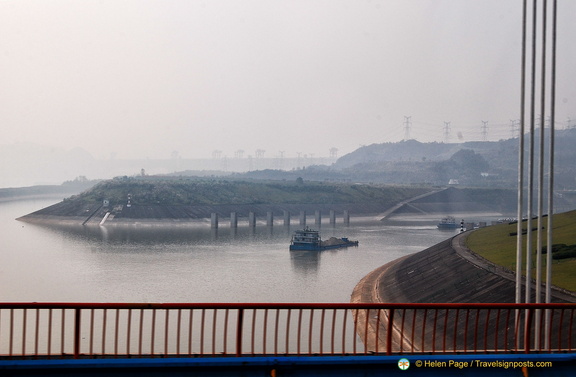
(76,332)
(239,326)
(527,326)
(24,332)
(366,331)
(389,332)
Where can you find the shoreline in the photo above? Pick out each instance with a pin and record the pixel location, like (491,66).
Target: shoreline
(447,272)
(466,277)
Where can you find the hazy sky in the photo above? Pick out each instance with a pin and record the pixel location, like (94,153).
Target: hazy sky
(144,78)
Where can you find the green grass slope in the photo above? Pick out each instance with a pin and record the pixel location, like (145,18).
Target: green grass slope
(498,244)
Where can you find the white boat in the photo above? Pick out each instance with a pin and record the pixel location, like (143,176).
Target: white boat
(448,222)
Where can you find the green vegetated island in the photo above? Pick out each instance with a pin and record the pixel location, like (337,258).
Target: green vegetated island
(173,200)
(161,200)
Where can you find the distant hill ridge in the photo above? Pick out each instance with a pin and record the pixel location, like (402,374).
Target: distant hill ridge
(480,164)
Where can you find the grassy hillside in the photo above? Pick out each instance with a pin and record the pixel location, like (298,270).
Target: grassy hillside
(496,244)
(193,191)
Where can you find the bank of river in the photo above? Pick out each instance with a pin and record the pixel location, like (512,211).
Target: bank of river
(446,272)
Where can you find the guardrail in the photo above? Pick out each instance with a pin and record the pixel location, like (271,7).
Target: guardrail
(92,330)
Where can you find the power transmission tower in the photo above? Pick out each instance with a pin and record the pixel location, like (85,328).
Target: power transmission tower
(484,130)
(514,123)
(333,153)
(447,129)
(407,127)
(259,154)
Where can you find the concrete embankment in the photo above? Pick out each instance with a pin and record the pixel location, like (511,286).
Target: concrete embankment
(68,212)
(77,210)
(444,273)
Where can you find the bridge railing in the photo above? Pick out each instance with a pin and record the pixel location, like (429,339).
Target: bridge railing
(93,330)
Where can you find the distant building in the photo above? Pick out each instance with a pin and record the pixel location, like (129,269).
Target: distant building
(453,182)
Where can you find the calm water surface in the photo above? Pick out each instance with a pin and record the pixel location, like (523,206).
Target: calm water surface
(199,264)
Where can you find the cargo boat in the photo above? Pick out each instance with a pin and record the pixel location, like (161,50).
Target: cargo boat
(308,239)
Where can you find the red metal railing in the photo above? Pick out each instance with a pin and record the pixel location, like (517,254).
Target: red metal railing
(88,330)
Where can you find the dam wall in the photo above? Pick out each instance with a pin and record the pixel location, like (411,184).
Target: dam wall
(447,272)
(444,273)
(69,213)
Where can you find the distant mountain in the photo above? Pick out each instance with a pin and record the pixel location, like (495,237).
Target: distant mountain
(476,164)
(409,150)
(67,188)
(493,164)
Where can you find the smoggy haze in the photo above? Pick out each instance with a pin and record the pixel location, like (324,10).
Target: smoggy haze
(143,79)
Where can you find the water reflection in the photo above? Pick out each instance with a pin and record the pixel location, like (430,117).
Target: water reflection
(134,238)
(305,262)
(192,263)
(167,235)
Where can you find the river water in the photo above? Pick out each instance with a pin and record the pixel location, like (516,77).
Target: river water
(193,264)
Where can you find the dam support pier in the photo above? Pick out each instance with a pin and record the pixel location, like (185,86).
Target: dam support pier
(269,218)
(286,218)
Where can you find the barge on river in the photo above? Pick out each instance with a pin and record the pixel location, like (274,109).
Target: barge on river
(308,239)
